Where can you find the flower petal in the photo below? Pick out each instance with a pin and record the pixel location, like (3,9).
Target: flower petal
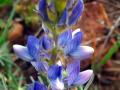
(74,43)
(39,86)
(63,18)
(33,46)
(22,52)
(73,70)
(47,42)
(36,86)
(82,52)
(83,77)
(75,32)
(57,84)
(64,38)
(42,9)
(54,72)
(77,11)
(40,66)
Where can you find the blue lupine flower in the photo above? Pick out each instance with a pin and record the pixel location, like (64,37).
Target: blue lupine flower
(55,76)
(35,51)
(70,42)
(65,12)
(75,77)
(36,86)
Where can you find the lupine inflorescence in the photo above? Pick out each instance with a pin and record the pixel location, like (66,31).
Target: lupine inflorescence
(57,55)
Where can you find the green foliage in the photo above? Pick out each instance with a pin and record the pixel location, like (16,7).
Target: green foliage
(110,53)
(4,34)
(1,23)
(8,80)
(5,3)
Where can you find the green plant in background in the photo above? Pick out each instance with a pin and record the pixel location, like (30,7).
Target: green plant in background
(8,69)
(115,47)
(110,53)
(4,33)
(8,80)
(5,3)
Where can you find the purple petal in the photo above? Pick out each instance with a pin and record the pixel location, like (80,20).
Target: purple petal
(63,18)
(39,86)
(47,42)
(75,42)
(82,52)
(83,77)
(54,72)
(22,52)
(64,38)
(73,70)
(40,66)
(42,9)
(77,11)
(33,46)
(36,86)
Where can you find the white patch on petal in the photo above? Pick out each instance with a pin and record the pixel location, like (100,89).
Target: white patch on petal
(22,52)
(75,31)
(82,52)
(59,63)
(83,77)
(57,85)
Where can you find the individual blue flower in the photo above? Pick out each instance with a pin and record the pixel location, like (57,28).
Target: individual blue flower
(61,13)
(55,76)
(36,86)
(70,43)
(75,77)
(35,51)
(57,82)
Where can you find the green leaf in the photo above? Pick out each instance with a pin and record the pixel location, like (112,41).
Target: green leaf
(107,57)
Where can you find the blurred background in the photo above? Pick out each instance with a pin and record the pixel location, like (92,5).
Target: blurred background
(100,23)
